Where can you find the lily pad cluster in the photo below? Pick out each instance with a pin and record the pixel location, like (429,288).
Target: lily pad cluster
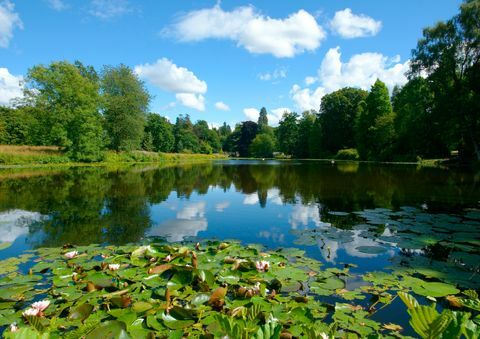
(208,289)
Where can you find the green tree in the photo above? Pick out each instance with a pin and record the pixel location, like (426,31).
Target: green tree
(161,131)
(67,100)
(126,102)
(262,146)
(209,138)
(338,113)
(248,132)
(449,54)
(307,135)
(185,139)
(288,134)
(262,118)
(418,132)
(375,127)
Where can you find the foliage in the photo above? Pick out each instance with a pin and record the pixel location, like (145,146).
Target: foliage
(262,146)
(347,154)
(125,106)
(288,134)
(247,132)
(67,100)
(161,132)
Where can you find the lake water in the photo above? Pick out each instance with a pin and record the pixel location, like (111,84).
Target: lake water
(372,216)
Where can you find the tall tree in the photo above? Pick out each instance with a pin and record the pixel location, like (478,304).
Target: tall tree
(262,146)
(161,132)
(375,127)
(307,135)
(449,53)
(248,132)
(126,102)
(67,100)
(185,138)
(262,118)
(338,113)
(288,134)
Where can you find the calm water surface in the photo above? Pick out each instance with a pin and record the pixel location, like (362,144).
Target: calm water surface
(364,214)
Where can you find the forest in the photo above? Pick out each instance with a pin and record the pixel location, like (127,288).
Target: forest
(436,114)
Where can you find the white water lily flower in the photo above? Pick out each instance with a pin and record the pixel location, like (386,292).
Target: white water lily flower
(41,305)
(323,335)
(13,327)
(71,255)
(262,266)
(32,312)
(113,267)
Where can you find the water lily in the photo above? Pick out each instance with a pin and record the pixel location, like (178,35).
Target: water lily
(31,312)
(13,327)
(41,305)
(113,267)
(71,254)
(262,266)
(168,258)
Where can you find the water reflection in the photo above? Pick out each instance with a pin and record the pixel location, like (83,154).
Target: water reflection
(251,201)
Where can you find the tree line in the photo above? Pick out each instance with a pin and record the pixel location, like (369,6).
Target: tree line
(437,111)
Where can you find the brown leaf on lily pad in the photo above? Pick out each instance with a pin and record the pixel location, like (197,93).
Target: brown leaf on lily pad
(160,269)
(454,301)
(392,327)
(217,299)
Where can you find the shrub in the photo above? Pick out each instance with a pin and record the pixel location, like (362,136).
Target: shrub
(347,154)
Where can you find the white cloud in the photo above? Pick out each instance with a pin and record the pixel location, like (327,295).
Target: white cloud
(279,73)
(303,215)
(57,5)
(109,9)
(170,77)
(310,80)
(9,20)
(192,100)
(177,229)
(10,86)
(255,32)
(221,206)
(192,211)
(274,115)
(14,224)
(361,71)
(222,106)
(251,113)
(349,25)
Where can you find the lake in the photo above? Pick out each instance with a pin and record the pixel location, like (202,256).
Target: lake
(373,216)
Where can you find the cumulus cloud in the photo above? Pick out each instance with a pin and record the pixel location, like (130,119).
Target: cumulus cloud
(221,206)
(10,86)
(274,115)
(109,9)
(303,215)
(167,76)
(278,73)
(9,20)
(257,33)
(221,106)
(192,211)
(361,71)
(310,80)
(192,100)
(57,5)
(349,25)
(14,224)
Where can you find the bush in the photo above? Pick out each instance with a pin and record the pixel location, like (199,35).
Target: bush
(347,154)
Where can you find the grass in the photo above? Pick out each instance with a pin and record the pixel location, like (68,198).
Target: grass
(42,155)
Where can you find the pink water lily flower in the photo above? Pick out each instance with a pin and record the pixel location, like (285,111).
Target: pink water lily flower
(71,255)
(32,312)
(113,267)
(168,258)
(13,327)
(41,305)
(262,266)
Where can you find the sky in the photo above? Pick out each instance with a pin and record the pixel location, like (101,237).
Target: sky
(221,61)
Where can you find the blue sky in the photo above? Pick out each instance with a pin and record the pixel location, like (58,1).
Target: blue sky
(221,61)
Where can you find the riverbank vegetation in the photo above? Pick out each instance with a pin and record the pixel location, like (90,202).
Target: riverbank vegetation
(85,111)
(215,289)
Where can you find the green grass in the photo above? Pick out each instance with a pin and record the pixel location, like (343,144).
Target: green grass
(49,155)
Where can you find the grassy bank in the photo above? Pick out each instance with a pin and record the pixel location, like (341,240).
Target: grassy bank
(41,155)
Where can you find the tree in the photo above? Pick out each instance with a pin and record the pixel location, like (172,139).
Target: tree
(67,100)
(161,132)
(288,134)
(209,138)
(248,132)
(262,146)
(126,103)
(307,135)
(185,139)
(375,126)
(338,112)
(262,118)
(449,54)
(418,132)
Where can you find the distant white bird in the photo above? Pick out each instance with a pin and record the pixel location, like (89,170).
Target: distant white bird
(424,206)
